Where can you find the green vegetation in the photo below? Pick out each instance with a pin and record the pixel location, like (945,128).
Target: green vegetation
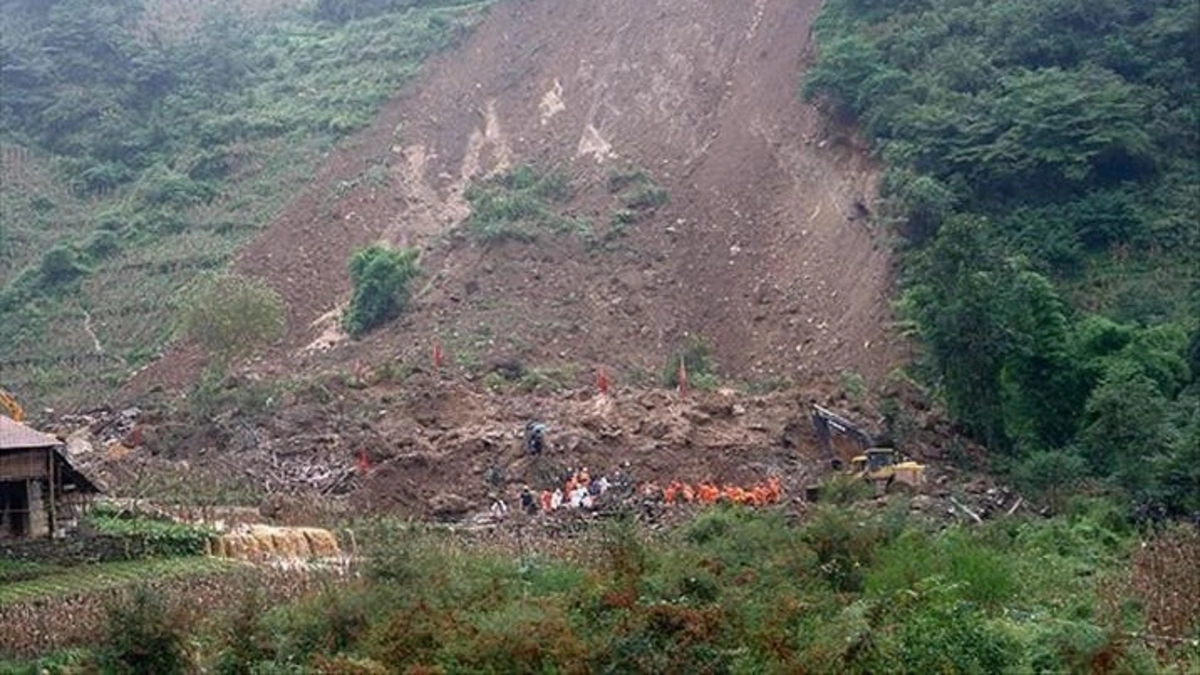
(519,203)
(637,196)
(636,190)
(231,316)
(137,154)
(851,590)
(1041,161)
(155,537)
(20,570)
(103,576)
(143,638)
(380,276)
(695,355)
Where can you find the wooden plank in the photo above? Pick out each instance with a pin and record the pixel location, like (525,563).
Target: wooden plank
(53,522)
(23,464)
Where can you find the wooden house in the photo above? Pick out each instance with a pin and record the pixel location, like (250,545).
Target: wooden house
(41,493)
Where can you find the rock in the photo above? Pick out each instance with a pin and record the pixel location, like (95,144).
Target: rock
(722,410)
(449,505)
(656,429)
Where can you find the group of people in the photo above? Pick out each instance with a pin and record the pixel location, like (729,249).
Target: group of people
(678,492)
(579,491)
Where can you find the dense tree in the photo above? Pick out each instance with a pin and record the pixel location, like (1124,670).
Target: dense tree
(1029,142)
(1126,428)
(954,307)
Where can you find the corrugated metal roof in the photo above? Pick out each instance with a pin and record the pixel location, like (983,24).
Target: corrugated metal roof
(16,435)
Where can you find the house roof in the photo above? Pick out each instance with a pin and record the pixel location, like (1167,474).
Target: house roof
(15,435)
(75,477)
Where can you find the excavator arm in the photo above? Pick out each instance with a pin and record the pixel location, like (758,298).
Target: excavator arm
(15,411)
(825,422)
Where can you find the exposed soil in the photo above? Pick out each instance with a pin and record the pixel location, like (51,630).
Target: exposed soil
(765,249)
(436,446)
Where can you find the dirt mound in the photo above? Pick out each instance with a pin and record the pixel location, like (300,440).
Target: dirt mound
(436,446)
(764,249)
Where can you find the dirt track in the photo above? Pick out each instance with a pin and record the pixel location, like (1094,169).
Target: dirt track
(762,250)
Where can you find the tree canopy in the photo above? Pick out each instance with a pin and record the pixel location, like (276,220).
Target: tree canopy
(1037,153)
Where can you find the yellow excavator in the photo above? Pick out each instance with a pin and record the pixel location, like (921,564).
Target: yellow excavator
(15,411)
(878,465)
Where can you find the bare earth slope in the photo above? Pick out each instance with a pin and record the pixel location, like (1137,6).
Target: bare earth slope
(763,249)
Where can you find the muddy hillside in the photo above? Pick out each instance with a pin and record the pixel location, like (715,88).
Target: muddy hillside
(764,248)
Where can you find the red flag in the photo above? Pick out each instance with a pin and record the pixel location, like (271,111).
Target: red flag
(361,462)
(602,381)
(438,356)
(682,377)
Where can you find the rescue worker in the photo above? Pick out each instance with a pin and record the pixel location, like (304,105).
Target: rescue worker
(499,509)
(535,438)
(528,503)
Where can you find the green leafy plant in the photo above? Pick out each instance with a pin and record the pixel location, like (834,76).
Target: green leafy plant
(696,356)
(517,204)
(154,537)
(380,276)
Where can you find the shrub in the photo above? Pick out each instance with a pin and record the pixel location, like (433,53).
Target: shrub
(61,264)
(231,316)
(103,243)
(647,196)
(637,193)
(327,623)
(380,276)
(700,367)
(244,638)
(952,638)
(514,204)
(621,178)
(1050,475)
(142,636)
(844,548)
(161,186)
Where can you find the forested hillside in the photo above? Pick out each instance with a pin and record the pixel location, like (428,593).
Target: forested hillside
(142,146)
(1042,165)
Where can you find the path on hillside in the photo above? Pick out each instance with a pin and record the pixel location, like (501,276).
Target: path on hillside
(763,249)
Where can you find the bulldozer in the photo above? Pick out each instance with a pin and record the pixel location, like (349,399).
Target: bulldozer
(7,402)
(873,463)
